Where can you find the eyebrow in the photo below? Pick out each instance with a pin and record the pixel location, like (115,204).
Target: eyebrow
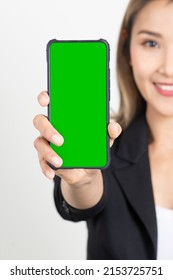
(150,33)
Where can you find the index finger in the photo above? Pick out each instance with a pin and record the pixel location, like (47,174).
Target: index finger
(43,98)
(45,128)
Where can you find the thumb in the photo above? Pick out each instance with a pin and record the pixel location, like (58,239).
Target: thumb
(114,130)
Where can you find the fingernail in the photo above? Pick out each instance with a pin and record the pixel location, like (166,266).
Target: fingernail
(57,139)
(57,161)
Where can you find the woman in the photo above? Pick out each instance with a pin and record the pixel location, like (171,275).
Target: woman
(128,207)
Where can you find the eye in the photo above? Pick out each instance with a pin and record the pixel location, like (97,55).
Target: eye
(150,43)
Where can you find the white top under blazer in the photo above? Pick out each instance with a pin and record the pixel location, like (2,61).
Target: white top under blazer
(165,233)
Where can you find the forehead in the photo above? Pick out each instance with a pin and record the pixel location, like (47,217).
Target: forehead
(156,15)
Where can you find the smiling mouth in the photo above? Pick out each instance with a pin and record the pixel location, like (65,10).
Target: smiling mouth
(164,89)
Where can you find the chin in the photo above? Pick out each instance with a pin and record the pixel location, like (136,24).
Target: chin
(166,113)
(163,110)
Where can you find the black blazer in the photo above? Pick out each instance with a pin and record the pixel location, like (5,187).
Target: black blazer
(123,223)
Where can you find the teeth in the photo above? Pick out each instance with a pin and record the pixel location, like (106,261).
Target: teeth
(165,87)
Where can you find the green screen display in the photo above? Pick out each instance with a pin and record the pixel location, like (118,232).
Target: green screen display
(78,85)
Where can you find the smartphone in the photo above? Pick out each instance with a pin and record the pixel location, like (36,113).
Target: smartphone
(79,90)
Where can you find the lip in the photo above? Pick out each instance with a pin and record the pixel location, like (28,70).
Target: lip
(167,93)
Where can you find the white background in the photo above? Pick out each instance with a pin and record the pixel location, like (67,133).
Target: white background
(30,227)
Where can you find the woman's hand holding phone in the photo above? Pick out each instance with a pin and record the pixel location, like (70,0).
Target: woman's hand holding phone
(81,188)
(48,134)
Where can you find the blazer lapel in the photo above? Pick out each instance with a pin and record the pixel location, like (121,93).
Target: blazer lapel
(132,170)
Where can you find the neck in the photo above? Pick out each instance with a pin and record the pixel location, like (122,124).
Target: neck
(161,127)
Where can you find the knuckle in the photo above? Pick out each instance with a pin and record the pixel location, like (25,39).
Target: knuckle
(40,162)
(72,181)
(37,142)
(46,132)
(37,119)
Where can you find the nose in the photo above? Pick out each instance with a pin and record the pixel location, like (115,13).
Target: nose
(166,66)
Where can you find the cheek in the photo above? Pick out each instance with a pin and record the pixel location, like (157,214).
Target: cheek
(140,67)
(141,71)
